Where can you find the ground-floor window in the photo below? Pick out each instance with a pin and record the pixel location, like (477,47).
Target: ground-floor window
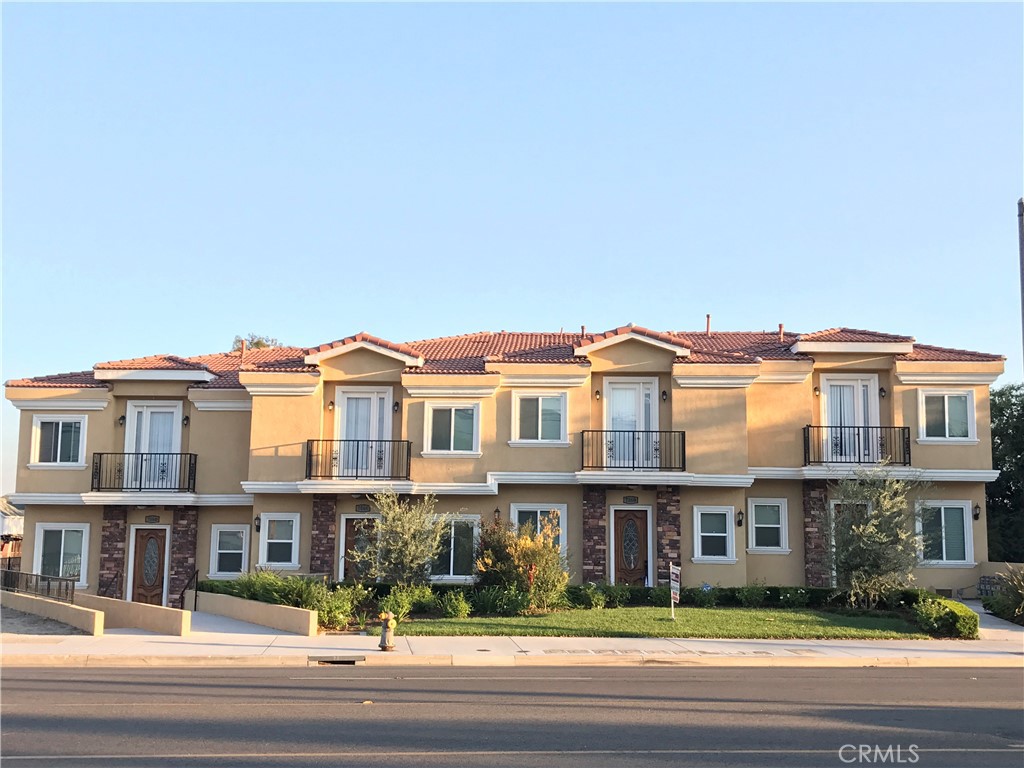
(767,526)
(535,517)
(713,535)
(945,530)
(457,559)
(279,539)
(229,550)
(62,549)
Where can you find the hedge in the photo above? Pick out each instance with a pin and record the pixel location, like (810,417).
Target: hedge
(943,617)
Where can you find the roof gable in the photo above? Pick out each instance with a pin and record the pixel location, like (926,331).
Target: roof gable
(362,340)
(597,341)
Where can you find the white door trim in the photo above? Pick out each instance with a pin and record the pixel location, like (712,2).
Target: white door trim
(638,381)
(341,392)
(342,526)
(129,581)
(652,554)
(130,418)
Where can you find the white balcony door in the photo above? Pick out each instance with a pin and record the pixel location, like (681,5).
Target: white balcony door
(631,411)
(152,442)
(850,408)
(364,426)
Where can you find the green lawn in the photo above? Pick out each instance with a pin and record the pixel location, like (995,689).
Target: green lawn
(690,622)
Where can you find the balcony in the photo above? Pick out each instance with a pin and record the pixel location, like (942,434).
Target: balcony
(631,449)
(856,445)
(358,459)
(171,472)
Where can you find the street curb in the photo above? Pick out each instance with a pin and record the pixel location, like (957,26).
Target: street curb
(518,660)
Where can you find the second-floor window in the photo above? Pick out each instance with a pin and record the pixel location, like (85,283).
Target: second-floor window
(59,440)
(947,415)
(538,418)
(453,428)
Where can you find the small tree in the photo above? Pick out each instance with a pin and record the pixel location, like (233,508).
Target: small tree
(401,544)
(1005,495)
(875,542)
(254,341)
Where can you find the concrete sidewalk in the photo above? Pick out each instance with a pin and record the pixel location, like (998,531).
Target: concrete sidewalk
(218,641)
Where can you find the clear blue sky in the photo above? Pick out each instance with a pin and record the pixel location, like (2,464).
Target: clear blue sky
(177,174)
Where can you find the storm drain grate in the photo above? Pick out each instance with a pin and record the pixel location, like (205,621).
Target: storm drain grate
(324,661)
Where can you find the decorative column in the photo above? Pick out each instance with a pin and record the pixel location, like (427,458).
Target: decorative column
(669,530)
(595,534)
(324,535)
(184,533)
(817,571)
(112,551)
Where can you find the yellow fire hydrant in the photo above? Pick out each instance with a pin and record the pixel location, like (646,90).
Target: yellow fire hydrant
(387,631)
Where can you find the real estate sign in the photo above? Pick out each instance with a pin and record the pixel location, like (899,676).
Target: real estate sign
(673,585)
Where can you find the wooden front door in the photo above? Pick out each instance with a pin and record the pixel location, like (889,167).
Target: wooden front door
(355,539)
(148,572)
(631,553)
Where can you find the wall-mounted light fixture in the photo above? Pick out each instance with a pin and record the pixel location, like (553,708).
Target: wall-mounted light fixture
(330,406)
(396,407)
(256,522)
(597,394)
(817,391)
(977,511)
(664,395)
(739,518)
(121,420)
(882,392)
(185,420)
(497,514)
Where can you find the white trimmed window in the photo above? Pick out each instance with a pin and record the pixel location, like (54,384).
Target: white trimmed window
(946,535)
(534,516)
(58,441)
(947,415)
(62,549)
(767,526)
(456,562)
(713,540)
(452,428)
(279,540)
(539,418)
(229,550)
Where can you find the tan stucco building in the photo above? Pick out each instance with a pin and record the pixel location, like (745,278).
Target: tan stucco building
(709,449)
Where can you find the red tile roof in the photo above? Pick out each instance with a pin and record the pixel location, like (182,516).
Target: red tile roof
(151,363)
(840,335)
(363,336)
(470,353)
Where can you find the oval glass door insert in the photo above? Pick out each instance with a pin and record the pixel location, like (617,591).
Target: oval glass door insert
(630,544)
(150,563)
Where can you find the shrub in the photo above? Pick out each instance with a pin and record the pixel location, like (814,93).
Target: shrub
(454,605)
(793,597)
(1011,588)
(592,596)
(946,618)
(540,566)
(660,596)
(641,596)
(494,564)
(488,600)
(703,596)
(401,544)
(752,595)
(616,595)
(513,602)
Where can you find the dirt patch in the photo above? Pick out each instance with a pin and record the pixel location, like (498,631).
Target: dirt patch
(18,623)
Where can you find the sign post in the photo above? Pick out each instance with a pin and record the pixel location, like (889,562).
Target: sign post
(673,581)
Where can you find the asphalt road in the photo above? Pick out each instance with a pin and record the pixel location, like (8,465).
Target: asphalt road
(490,717)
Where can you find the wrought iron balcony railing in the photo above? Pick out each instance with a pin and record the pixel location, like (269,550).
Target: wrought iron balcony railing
(144,472)
(634,449)
(856,445)
(351,459)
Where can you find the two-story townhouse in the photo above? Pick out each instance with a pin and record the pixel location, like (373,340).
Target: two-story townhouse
(713,449)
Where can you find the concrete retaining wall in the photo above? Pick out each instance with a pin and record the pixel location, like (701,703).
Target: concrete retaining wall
(155,618)
(86,619)
(283,617)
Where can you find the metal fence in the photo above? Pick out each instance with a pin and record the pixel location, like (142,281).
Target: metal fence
(52,587)
(375,459)
(634,449)
(144,472)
